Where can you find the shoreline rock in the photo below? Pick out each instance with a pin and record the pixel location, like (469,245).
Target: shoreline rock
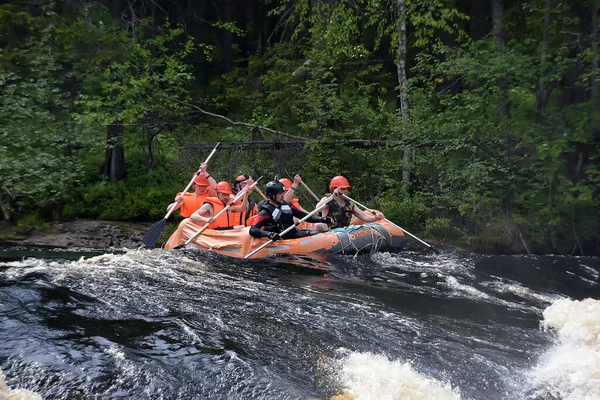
(85,233)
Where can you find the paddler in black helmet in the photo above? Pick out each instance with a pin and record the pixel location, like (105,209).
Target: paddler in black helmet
(276,215)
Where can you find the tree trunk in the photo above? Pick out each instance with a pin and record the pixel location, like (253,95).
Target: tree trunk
(5,212)
(479,22)
(114,162)
(594,28)
(498,30)
(226,37)
(151,134)
(403,87)
(542,98)
(114,167)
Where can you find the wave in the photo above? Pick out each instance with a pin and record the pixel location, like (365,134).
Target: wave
(6,393)
(372,376)
(570,370)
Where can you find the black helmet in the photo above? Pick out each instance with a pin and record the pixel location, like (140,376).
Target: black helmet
(273,188)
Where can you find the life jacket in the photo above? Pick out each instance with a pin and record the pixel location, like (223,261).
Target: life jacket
(296,203)
(191,203)
(282,217)
(251,211)
(341,215)
(227,220)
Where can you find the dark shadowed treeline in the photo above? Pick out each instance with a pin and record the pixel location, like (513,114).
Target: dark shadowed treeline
(475,122)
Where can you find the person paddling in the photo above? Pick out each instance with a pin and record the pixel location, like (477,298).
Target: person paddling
(341,210)
(188,203)
(213,205)
(290,191)
(276,215)
(251,209)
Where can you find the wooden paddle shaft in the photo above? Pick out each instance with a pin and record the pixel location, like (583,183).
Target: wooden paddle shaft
(212,153)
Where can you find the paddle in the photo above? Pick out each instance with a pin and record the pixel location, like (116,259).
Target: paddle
(261,194)
(231,203)
(310,214)
(435,250)
(305,186)
(158,228)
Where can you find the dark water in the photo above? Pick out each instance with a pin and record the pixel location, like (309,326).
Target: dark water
(176,325)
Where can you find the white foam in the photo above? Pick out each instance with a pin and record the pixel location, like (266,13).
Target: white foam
(577,322)
(570,370)
(365,376)
(7,393)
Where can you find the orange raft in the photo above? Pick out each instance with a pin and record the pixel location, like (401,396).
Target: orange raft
(355,239)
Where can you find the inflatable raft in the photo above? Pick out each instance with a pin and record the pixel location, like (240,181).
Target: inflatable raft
(354,239)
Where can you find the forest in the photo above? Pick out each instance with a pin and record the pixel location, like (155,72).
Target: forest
(474,122)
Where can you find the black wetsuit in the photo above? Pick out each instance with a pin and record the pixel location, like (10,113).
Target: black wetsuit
(277,219)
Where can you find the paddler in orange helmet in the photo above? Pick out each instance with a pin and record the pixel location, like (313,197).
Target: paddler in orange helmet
(251,209)
(341,210)
(276,215)
(203,186)
(213,205)
(290,191)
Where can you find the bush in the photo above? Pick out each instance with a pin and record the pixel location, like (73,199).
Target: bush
(408,212)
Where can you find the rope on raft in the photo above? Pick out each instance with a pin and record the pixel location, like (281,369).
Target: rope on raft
(377,241)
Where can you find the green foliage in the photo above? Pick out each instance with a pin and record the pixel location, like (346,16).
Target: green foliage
(409,212)
(326,73)
(140,198)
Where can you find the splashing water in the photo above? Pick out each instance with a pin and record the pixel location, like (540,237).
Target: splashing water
(570,370)
(7,393)
(365,376)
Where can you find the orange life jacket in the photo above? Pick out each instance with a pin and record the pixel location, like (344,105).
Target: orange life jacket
(191,203)
(296,203)
(246,215)
(228,219)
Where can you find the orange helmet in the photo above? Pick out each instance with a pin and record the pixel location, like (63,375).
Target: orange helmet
(287,184)
(201,180)
(242,178)
(339,181)
(224,187)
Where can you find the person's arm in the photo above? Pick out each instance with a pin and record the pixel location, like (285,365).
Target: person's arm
(211,181)
(302,209)
(290,194)
(206,210)
(177,203)
(324,200)
(366,216)
(256,229)
(313,218)
(242,207)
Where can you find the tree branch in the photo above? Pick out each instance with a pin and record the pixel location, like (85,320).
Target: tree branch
(235,123)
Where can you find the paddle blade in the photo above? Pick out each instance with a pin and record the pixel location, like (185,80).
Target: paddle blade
(435,250)
(154,233)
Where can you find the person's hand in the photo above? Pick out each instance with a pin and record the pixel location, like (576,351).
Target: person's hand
(328,220)
(297,179)
(378,216)
(274,236)
(336,192)
(203,168)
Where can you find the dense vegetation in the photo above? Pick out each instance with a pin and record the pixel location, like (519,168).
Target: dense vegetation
(463,119)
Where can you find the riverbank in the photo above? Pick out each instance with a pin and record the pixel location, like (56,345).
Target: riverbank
(79,233)
(99,234)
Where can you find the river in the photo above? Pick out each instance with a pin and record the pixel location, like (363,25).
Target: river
(154,324)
